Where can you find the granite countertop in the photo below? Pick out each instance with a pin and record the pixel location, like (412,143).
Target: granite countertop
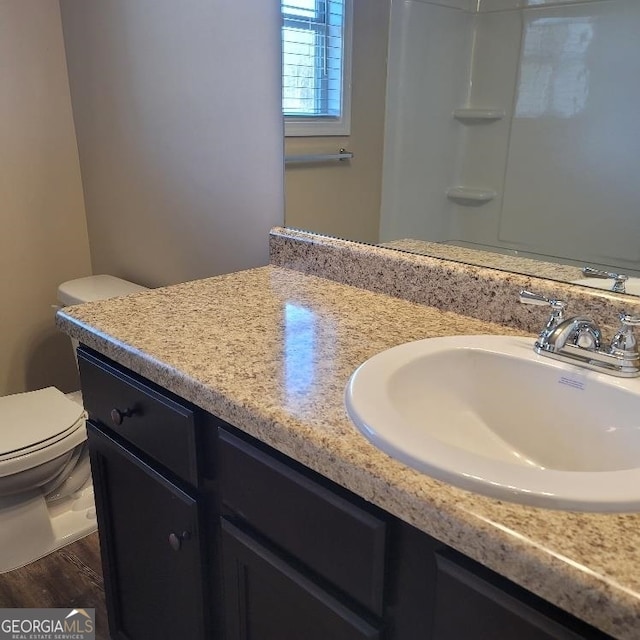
(270,351)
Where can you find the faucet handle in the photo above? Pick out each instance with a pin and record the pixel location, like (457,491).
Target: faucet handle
(625,341)
(556,317)
(558,306)
(618,278)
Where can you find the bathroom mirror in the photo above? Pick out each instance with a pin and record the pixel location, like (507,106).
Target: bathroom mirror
(505,134)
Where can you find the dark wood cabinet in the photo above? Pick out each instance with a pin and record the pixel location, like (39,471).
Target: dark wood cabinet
(267,597)
(472,605)
(151,546)
(156,538)
(340,539)
(151,420)
(281,518)
(206,532)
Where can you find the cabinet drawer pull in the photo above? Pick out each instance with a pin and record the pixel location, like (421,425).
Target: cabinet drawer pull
(117,416)
(176,539)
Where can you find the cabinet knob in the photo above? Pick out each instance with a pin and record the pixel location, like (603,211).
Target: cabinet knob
(176,539)
(117,415)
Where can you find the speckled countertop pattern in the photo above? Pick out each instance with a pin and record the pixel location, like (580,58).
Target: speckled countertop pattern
(481,292)
(506,262)
(270,351)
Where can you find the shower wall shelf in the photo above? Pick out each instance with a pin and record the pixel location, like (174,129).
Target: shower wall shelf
(468,115)
(469,196)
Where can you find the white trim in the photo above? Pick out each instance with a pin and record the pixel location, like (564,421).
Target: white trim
(326,125)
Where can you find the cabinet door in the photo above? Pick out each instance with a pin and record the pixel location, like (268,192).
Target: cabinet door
(475,607)
(266,599)
(150,544)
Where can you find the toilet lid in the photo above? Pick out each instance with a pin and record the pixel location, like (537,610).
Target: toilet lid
(34,418)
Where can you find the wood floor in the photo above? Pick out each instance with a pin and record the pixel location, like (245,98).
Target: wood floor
(69,577)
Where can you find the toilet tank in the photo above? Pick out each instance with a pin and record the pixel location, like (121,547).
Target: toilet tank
(95,288)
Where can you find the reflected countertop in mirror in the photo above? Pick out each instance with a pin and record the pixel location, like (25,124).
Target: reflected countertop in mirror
(481,258)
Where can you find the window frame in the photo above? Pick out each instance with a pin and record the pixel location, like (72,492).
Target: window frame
(301,126)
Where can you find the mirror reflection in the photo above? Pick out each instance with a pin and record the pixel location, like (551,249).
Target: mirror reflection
(503,134)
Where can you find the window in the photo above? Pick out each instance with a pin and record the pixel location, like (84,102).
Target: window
(316,47)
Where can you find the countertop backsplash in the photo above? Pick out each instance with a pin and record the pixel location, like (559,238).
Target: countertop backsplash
(479,292)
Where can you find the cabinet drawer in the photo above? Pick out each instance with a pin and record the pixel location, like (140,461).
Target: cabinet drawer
(266,598)
(153,420)
(340,541)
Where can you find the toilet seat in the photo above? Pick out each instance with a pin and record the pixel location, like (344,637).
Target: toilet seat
(36,427)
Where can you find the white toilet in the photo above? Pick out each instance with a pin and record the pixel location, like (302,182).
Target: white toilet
(46,495)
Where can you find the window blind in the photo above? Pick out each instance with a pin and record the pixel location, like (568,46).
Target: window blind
(312,58)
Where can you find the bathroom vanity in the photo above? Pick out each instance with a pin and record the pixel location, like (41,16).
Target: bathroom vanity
(208,533)
(236,500)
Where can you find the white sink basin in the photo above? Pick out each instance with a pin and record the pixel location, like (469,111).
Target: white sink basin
(487,414)
(632,285)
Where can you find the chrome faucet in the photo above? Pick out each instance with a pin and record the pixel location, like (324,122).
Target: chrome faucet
(578,340)
(619,279)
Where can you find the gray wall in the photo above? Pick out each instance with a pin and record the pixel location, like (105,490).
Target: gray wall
(43,233)
(178,120)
